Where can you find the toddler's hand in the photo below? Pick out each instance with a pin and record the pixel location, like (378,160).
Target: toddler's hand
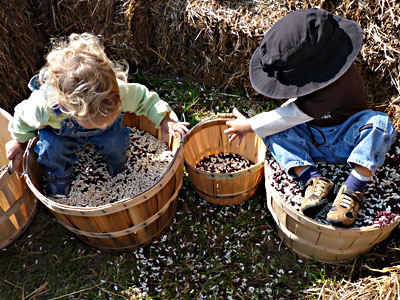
(238,127)
(15,150)
(170,126)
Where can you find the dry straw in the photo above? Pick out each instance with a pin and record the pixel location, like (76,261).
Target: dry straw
(207,41)
(21,49)
(385,287)
(212,41)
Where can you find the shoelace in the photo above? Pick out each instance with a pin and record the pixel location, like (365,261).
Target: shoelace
(346,202)
(320,186)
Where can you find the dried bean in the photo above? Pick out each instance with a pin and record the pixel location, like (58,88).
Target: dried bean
(224,163)
(147,161)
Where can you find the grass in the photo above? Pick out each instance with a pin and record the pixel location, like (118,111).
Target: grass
(194,102)
(209,252)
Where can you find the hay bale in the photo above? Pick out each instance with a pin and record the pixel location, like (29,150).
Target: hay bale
(20,50)
(26,29)
(207,41)
(212,41)
(105,18)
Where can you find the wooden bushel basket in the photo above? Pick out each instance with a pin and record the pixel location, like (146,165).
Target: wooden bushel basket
(129,223)
(17,203)
(208,138)
(325,243)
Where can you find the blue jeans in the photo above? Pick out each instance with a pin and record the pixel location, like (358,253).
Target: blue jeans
(363,139)
(57,148)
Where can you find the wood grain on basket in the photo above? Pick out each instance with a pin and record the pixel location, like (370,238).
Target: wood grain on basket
(17,204)
(314,240)
(208,138)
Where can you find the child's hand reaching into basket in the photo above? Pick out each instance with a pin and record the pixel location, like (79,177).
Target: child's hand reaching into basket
(170,126)
(238,128)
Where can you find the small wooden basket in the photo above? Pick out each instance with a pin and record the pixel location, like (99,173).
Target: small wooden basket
(17,203)
(129,223)
(311,239)
(208,138)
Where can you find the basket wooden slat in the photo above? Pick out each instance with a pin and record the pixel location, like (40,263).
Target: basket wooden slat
(129,223)
(313,240)
(17,203)
(208,138)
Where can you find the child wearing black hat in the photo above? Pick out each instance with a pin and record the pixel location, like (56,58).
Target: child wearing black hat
(308,57)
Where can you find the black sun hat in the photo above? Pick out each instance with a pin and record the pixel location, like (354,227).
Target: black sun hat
(303,52)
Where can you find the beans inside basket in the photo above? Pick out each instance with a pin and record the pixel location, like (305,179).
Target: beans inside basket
(381,196)
(147,161)
(224,163)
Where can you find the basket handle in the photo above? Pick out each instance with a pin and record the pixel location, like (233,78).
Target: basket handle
(11,167)
(6,172)
(29,148)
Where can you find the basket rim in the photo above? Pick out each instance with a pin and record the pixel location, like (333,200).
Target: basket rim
(105,208)
(341,256)
(306,221)
(207,122)
(220,118)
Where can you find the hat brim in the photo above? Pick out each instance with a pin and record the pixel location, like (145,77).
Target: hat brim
(329,70)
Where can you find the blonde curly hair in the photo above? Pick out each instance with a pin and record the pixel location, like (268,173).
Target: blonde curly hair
(82,79)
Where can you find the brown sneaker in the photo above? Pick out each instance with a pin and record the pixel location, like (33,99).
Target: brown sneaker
(345,207)
(317,193)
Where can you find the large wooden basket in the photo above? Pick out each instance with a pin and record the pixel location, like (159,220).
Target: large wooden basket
(129,223)
(313,240)
(208,138)
(17,203)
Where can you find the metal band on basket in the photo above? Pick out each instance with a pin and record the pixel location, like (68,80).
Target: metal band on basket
(228,196)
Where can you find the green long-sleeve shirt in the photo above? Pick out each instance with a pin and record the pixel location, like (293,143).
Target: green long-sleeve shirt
(34,113)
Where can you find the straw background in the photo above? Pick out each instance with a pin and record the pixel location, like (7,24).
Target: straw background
(207,41)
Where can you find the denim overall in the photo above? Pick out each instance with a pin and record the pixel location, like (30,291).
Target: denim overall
(363,139)
(57,148)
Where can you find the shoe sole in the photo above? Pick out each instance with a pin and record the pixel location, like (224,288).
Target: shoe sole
(312,211)
(339,224)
